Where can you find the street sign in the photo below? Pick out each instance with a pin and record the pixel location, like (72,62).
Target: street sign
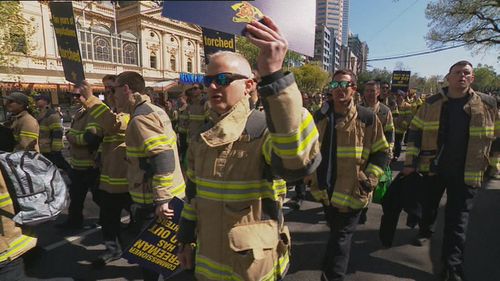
(296,18)
(67,41)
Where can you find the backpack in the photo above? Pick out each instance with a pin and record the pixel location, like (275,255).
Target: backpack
(35,185)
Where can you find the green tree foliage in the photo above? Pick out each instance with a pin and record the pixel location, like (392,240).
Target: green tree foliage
(248,50)
(473,22)
(15,32)
(377,74)
(486,79)
(310,78)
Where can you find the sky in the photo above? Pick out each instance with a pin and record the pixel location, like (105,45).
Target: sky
(398,27)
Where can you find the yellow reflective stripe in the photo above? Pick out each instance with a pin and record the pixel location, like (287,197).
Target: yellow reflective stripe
(162,181)
(81,163)
(431,125)
(114,138)
(424,167)
(481,131)
(5,200)
(153,142)
(295,144)
(494,160)
(279,268)
(113,181)
(92,126)
(17,246)
(190,174)
(266,149)
(44,128)
(379,145)
(320,195)
(214,270)
(28,134)
(141,197)
(389,127)
(196,117)
(134,151)
(57,144)
(473,176)
(188,212)
(349,151)
(411,150)
(178,190)
(99,110)
(375,170)
(54,126)
(346,200)
(239,190)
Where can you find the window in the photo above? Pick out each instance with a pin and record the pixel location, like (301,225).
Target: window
(190,65)
(152,60)
(129,53)
(173,63)
(117,53)
(102,49)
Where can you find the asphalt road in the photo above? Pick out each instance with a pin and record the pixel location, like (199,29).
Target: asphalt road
(68,255)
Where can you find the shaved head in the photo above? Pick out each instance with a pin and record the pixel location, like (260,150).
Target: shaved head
(234,62)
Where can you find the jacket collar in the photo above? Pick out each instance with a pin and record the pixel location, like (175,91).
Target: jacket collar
(229,126)
(20,114)
(139,100)
(346,121)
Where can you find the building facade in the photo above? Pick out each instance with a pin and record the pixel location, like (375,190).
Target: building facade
(323,47)
(132,36)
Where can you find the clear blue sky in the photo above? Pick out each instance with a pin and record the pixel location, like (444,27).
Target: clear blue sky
(398,27)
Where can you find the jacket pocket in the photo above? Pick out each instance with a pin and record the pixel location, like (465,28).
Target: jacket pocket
(255,238)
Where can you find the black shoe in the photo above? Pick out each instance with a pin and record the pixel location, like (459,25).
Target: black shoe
(69,225)
(107,257)
(421,241)
(294,203)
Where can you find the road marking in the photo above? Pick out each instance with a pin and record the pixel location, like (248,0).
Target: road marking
(70,239)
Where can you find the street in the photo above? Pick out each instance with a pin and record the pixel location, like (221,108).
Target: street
(67,255)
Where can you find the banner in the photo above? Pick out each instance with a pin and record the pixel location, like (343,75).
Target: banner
(400,80)
(156,247)
(67,41)
(296,18)
(214,41)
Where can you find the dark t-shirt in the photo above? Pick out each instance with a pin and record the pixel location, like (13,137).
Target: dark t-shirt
(455,136)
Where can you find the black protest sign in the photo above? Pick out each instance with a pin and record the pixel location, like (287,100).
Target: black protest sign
(214,41)
(156,247)
(67,41)
(400,80)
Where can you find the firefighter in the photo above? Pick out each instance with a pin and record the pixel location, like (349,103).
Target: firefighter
(234,195)
(24,127)
(182,126)
(197,110)
(402,118)
(452,138)
(371,94)
(354,153)
(51,132)
(113,184)
(84,138)
(15,240)
(153,169)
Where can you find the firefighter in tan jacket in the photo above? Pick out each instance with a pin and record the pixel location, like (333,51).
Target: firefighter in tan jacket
(354,153)
(84,137)
(452,140)
(234,192)
(24,126)
(153,169)
(402,119)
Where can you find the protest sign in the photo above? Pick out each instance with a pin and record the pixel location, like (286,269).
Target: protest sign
(156,247)
(296,18)
(400,80)
(67,41)
(214,41)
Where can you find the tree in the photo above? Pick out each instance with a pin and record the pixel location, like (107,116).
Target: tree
(485,79)
(310,78)
(376,74)
(471,22)
(15,34)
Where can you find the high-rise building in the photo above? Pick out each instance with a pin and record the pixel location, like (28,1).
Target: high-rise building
(345,22)
(330,13)
(323,47)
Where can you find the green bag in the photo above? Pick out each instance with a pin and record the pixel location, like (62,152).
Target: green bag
(383,184)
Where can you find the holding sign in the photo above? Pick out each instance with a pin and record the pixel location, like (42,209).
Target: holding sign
(400,80)
(67,41)
(214,41)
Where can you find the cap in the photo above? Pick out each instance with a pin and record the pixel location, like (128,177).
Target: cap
(43,97)
(18,97)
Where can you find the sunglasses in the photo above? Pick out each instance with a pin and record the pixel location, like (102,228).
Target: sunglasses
(341,84)
(222,79)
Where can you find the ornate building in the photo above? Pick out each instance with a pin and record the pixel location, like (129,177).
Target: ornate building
(131,36)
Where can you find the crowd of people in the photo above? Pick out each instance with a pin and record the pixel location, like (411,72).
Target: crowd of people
(229,147)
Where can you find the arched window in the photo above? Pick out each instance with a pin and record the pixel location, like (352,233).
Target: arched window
(102,49)
(152,60)
(190,65)
(130,53)
(173,63)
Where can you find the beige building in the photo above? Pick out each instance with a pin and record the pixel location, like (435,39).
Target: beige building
(133,36)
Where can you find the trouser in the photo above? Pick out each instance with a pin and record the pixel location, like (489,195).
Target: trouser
(183,145)
(459,203)
(300,189)
(342,227)
(57,158)
(143,215)
(13,271)
(111,206)
(397,144)
(81,182)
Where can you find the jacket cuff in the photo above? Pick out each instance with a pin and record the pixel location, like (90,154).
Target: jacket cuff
(276,86)
(268,79)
